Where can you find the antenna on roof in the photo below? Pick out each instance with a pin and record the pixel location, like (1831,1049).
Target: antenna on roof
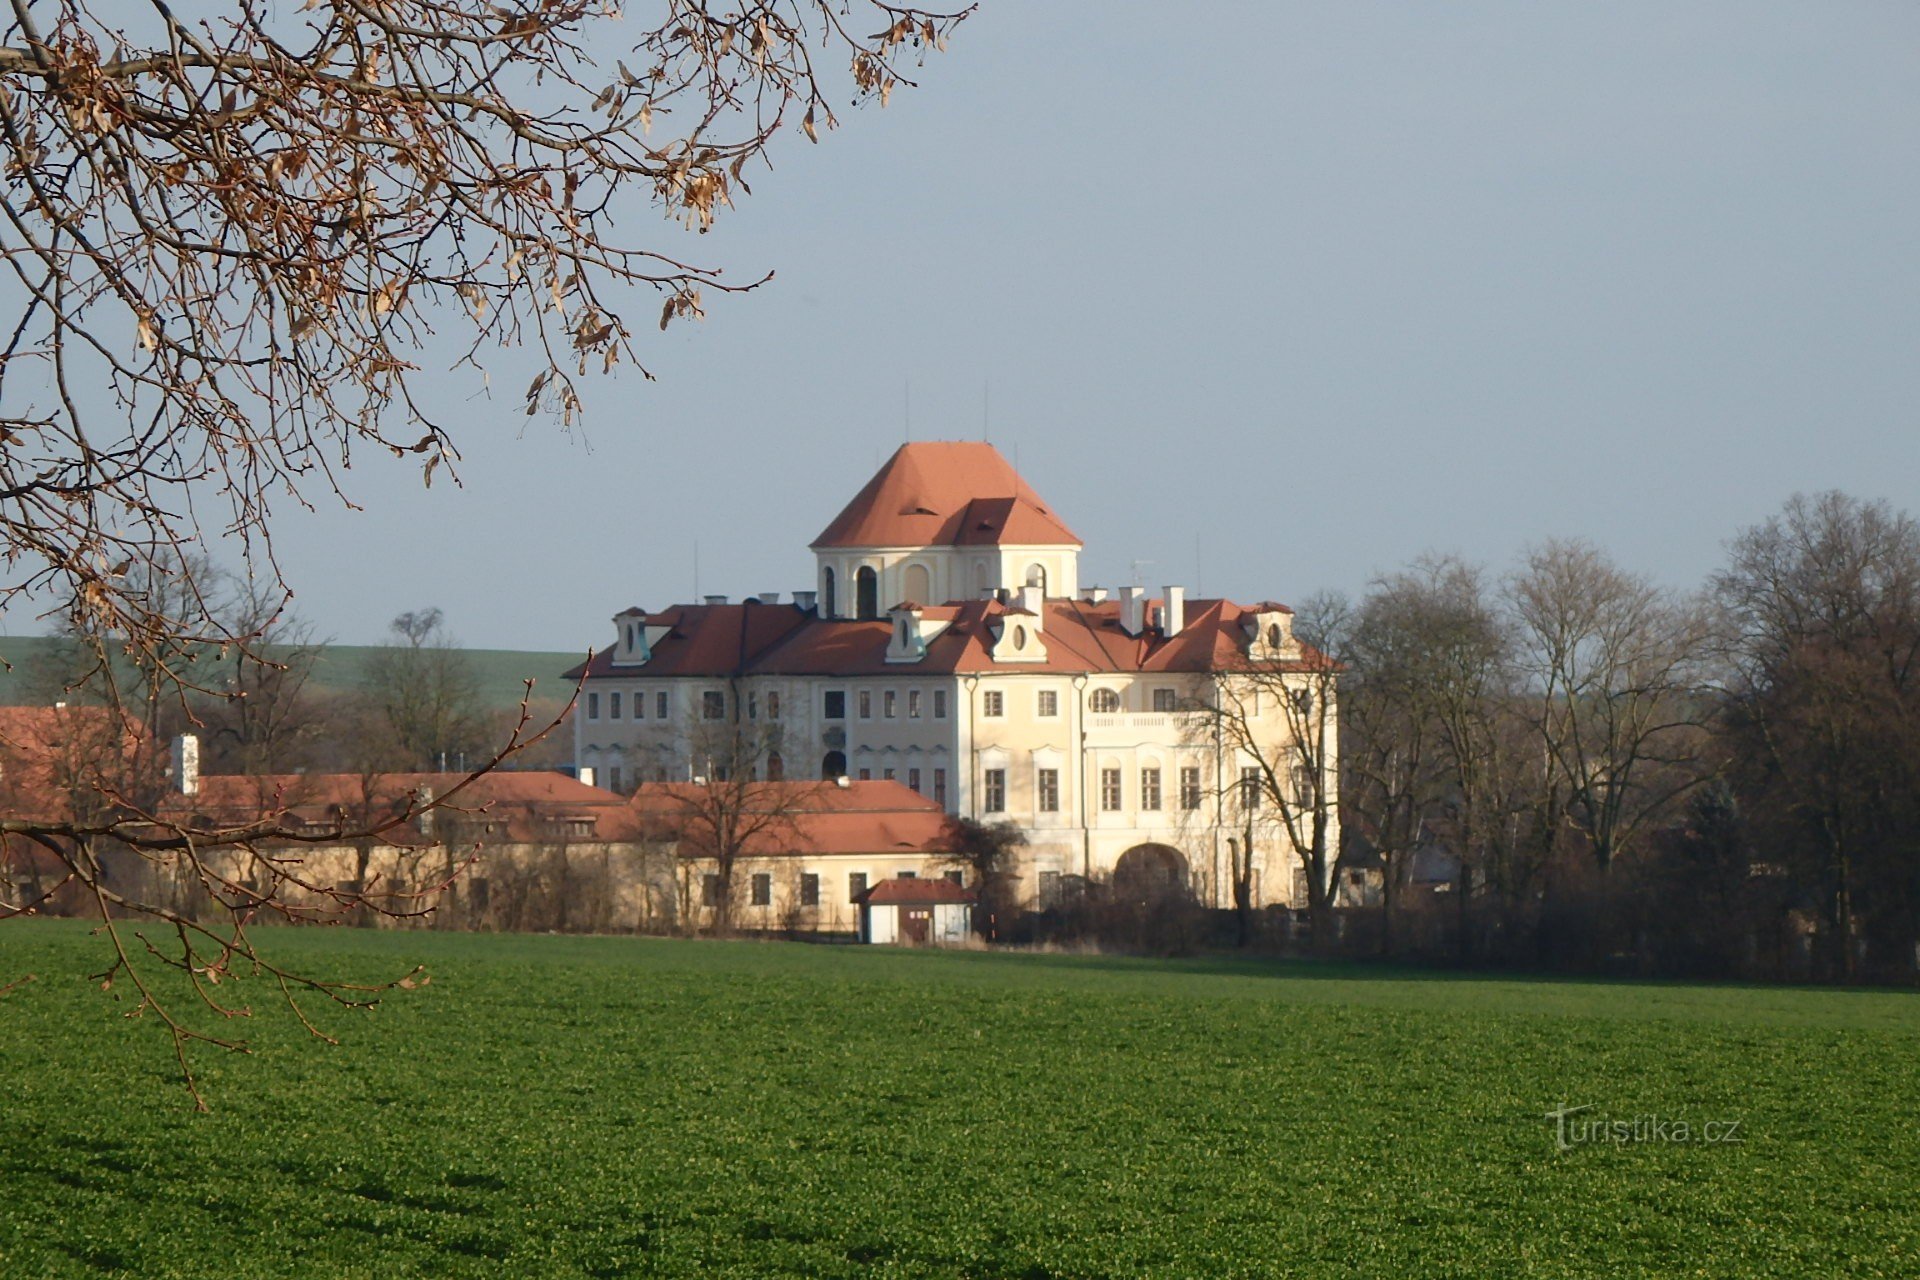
(1198,591)
(696,568)
(1138,565)
(986,408)
(906,409)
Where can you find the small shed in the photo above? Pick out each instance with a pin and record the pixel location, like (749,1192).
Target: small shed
(913,912)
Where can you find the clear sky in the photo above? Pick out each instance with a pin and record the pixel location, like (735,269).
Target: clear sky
(1271,297)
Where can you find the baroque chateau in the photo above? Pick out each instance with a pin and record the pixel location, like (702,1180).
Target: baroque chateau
(949,646)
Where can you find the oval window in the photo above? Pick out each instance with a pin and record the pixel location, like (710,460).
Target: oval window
(1273,636)
(1019,638)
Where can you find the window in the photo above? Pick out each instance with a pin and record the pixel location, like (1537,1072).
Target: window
(713,705)
(1250,787)
(639,704)
(866,593)
(1303,701)
(993,703)
(710,890)
(1273,636)
(773,706)
(866,704)
(776,767)
(1189,786)
(833,765)
(956,877)
(913,779)
(762,889)
(1303,787)
(809,889)
(614,778)
(939,704)
(826,593)
(1150,788)
(1037,577)
(613,706)
(1048,784)
(1104,702)
(940,787)
(834,706)
(887,703)
(913,704)
(1049,703)
(1110,790)
(753,706)
(1019,637)
(593,706)
(887,774)
(660,705)
(995,799)
(866,775)
(1049,890)
(1166,700)
(856,885)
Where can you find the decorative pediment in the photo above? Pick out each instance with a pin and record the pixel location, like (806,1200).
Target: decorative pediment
(1014,636)
(913,631)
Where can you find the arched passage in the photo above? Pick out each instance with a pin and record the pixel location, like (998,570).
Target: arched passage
(1150,873)
(833,766)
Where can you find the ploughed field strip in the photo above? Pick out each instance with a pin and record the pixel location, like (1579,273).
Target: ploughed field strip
(603,1107)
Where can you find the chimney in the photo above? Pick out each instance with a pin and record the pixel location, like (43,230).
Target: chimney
(716,599)
(425,801)
(1133,610)
(1034,601)
(1093,595)
(186,765)
(769,597)
(1173,614)
(586,774)
(803,600)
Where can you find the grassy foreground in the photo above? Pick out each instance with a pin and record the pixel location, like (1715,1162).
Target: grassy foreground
(606,1107)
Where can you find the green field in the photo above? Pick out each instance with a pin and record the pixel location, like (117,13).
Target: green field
(607,1107)
(500,675)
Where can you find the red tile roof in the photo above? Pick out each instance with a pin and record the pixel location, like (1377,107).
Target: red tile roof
(706,639)
(1080,637)
(519,801)
(946,493)
(920,892)
(881,817)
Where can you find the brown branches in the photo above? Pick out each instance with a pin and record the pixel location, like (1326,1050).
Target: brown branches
(236,238)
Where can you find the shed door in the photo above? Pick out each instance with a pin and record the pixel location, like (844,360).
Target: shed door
(915,923)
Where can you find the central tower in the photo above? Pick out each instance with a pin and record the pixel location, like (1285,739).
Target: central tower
(942,520)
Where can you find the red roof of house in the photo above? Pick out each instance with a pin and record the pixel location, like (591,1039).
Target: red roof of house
(946,493)
(905,890)
(519,801)
(1079,637)
(48,753)
(814,817)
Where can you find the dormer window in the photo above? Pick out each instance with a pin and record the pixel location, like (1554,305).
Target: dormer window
(1273,635)
(1019,638)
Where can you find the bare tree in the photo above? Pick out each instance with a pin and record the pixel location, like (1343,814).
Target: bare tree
(1821,607)
(423,685)
(1275,710)
(728,809)
(1614,670)
(229,237)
